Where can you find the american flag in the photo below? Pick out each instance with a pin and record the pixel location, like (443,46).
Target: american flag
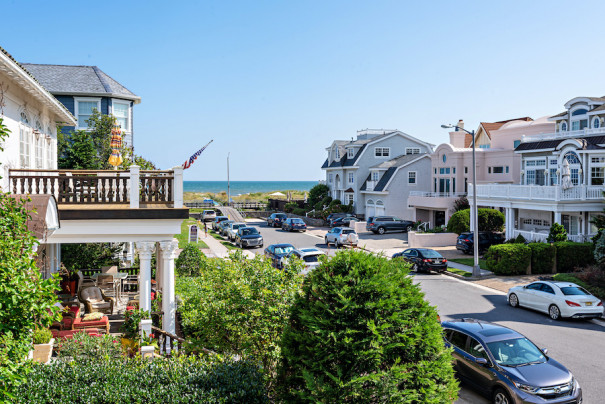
(189,162)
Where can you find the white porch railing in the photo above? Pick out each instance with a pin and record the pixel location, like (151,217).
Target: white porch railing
(563,135)
(437,194)
(542,236)
(538,192)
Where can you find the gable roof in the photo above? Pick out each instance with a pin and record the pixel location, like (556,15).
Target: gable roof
(392,166)
(344,161)
(489,126)
(79,80)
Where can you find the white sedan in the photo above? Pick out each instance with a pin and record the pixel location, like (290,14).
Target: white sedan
(557,299)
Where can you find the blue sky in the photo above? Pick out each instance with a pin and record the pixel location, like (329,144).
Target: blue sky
(274,82)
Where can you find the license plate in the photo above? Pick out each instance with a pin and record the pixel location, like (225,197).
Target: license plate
(589,303)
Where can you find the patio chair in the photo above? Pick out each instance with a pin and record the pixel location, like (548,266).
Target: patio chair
(84,281)
(107,284)
(131,280)
(95,300)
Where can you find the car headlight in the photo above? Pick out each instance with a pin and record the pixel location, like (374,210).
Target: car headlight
(526,387)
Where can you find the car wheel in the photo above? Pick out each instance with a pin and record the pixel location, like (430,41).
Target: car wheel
(381,230)
(554,312)
(408,229)
(326,241)
(513,300)
(501,397)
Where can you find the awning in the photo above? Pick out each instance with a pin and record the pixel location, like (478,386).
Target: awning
(44,219)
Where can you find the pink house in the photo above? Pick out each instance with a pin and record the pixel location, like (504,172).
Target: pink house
(451,164)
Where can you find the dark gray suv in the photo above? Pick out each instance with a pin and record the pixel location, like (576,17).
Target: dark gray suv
(383,224)
(505,366)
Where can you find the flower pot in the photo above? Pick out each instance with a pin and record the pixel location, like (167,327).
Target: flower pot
(43,352)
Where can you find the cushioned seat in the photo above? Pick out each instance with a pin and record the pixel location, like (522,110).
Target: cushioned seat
(101,323)
(67,334)
(95,300)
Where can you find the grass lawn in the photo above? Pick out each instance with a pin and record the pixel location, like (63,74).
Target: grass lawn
(183,237)
(223,242)
(459,272)
(470,262)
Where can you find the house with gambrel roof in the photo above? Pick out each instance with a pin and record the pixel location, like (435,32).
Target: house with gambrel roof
(84,88)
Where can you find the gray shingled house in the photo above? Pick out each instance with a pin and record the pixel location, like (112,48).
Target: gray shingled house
(84,88)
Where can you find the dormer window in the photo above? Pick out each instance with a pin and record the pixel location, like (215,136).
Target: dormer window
(581,111)
(350,153)
(382,151)
(375,176)
(336,154)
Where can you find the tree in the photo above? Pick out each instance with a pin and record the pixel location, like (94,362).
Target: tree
(557,233)
(361,331)
(190,261)
(461,204)
(91,255)
(81,153)
(317,194)
(489,220)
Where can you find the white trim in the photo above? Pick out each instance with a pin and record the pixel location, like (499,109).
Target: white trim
(412,149)
(127,103)
(429,146)
(404,165)
(76,109)
(415,178)
(382,151)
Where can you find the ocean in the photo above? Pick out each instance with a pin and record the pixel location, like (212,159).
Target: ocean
(247,187)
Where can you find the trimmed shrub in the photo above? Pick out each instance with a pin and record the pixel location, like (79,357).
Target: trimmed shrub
(119,380)
(508,259)
(335,202)
(489,220)
(542,258)
(42,335)
(189,261)
(362,332)
(459,222)
(557,233)
(290,206)
(572,255)
(299,211)
(520,239)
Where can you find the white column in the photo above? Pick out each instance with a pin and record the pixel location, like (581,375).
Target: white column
(558,217)
(168,298)
(134,186)
(177,187)
(159,264)
(145,251)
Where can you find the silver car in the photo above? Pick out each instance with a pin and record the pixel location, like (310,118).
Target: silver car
(310,256)
(232,230)
(341,236)
(222,227)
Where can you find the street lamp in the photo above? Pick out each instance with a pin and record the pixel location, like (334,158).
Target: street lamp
(474,211)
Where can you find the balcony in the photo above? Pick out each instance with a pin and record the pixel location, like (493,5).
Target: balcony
(553,193)
(564,135)
(433,200)
(102,188)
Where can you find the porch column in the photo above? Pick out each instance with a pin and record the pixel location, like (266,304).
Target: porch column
(558,217)
(508,225)
(168,299)
(159,264)
(145,251)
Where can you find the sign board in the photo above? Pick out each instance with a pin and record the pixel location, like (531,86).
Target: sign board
(193,233)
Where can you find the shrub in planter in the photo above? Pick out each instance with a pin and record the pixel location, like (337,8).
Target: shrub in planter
(43,345)
(557,233)
(299,211)
(189,261)
(362,332)
(542,258)
(508,259)
(42,336)
(572,255)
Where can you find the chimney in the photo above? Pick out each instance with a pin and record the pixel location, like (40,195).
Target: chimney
(458,137)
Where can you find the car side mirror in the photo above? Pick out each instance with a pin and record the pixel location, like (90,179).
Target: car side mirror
(481,361)
(545,351)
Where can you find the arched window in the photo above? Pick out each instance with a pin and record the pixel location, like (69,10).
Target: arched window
(24,117)
(572,158)
(370,202)
(38,126)
(379,203)
(580,111)
(596,122)
(563,126)
(574,167)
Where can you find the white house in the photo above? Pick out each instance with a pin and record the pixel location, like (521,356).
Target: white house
(367,170)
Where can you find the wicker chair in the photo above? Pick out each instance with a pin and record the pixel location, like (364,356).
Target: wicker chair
(95,301)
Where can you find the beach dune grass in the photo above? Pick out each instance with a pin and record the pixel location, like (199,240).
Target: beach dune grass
(221,197)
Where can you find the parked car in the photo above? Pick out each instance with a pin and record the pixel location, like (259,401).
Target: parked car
(294,223)
(344,221)
(276,253)
(423,259)
(333,216)
(217,220)
(232,229)
(557,299)
(222,227)
(276,219)
(505,366)
(208,215)
(464,242)
(383,224)
(248,237)
(341,236)
(310,256)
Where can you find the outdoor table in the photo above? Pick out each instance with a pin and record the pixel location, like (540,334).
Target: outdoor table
(119,276)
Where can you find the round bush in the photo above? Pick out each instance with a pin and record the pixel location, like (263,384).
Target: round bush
(557,233)
(489,220)
(299,211)
(508,259)
(362,332)
(459,222)
(190,260)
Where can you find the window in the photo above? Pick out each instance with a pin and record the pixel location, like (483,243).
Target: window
(597,160)
(375,176)
(412,150)
(24,141)
(453,170)
(553,162)
(516,144)
(435,171)
(553,176)
(458,339)
(527,221)
(597,175)
(579,112)
(563,126)
(537,222)
(579,125)
(465,185)
(530,177)
(498,170)
(49,153)
(351,178)
(382,151)
(507,169)
(337,153)
(575,177)
(38,145)
(121,111)
(444,158)
(547,289)
(330,178)
(84,109)
(476,349)
(596,122)
(540,162)
(489,170)
(350,153)
(411,177)
(546,223)
(465,170)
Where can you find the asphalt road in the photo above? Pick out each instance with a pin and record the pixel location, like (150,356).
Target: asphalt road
(578,345)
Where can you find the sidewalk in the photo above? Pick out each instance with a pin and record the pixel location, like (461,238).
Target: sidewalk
(217,250)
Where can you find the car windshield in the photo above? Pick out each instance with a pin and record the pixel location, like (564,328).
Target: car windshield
(249,232)
(237,226)
(574,291)
(311,258)
(348,231)
(281,216)
(430,254)
(283,250)
(515,352)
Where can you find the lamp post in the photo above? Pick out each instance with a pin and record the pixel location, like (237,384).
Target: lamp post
(474,211)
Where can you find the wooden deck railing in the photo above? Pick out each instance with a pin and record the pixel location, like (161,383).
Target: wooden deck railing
(164,336)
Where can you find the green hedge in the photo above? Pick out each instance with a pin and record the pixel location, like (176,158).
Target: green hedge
(508,259)
(572,255)
(542,258)
(119,380)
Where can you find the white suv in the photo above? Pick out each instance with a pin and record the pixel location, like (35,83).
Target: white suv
(341,236)
(208,215)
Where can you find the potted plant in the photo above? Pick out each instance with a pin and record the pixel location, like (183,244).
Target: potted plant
(69,278)
(130,329)
(43,345)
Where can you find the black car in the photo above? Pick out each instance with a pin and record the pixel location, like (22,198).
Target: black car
(503,365)
(344,221)
(276,252)
(294,224)
(248,237)
(464,242)
(276,219)
(423,259)
(333,216)
(383,224)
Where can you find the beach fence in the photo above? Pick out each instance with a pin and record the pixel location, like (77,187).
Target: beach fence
(236,205)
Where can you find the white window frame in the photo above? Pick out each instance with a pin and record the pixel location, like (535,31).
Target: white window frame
(330,178)
(77,100)
(39,162)
(412,175)
(350,153)
(382,152)
(375,176)
(129,109)
(412,150)
(351,177)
